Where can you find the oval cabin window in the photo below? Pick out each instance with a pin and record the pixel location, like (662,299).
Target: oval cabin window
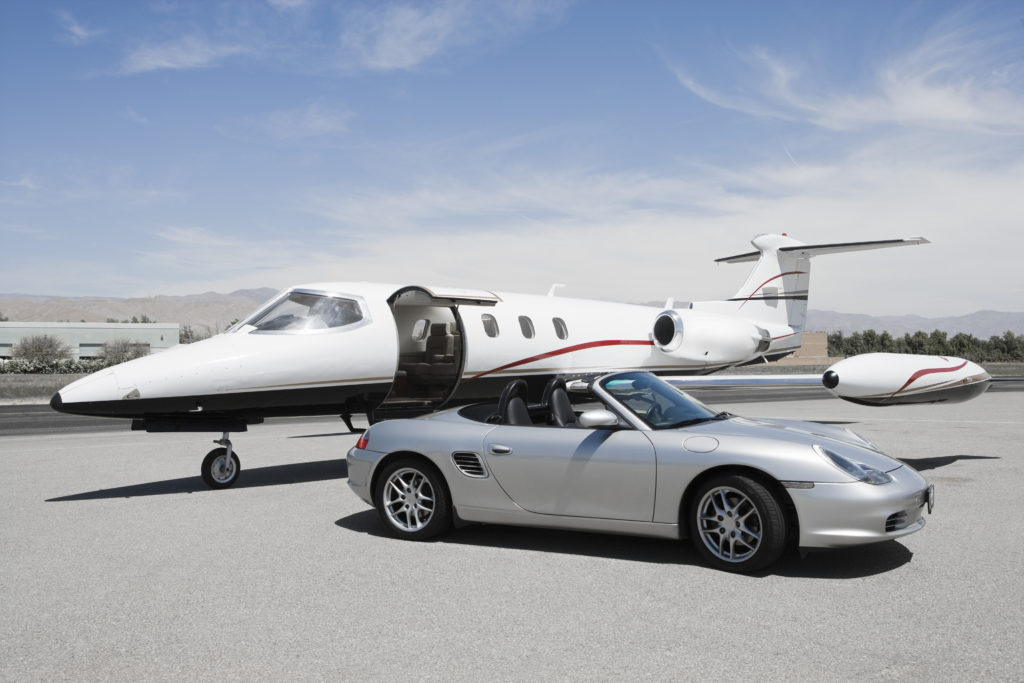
(490,325)
(560,328)
(526,325)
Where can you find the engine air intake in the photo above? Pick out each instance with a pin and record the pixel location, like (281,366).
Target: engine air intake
(668,331)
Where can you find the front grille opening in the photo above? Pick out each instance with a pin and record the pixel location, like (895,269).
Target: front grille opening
(896,521)
(469,464)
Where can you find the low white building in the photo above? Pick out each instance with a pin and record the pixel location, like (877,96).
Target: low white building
(86,339)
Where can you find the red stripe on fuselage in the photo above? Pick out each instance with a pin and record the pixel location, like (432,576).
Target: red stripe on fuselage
(568,349)
(921,373)
(792,272)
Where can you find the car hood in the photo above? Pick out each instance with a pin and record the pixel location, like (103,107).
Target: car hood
(839,439)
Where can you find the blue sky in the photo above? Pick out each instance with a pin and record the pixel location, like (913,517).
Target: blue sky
(178,147)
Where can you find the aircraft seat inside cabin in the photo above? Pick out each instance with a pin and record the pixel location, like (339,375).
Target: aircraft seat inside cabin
(438,362)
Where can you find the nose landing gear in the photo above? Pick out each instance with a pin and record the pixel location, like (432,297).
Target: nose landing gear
(221,466)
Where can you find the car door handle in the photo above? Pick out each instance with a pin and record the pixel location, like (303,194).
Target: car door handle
(498,449)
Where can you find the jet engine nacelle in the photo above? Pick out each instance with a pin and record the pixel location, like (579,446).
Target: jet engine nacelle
(708,339)
(879,379)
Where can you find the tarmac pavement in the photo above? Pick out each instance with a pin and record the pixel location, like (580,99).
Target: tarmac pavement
(118,564)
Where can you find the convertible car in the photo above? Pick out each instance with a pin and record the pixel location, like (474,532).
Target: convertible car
(642,458)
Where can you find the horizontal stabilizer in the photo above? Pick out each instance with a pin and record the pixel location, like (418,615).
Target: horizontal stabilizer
(808,250)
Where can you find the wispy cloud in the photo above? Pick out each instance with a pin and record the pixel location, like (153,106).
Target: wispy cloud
(24,182)
(188,52)
(634,236)
(666,229)
(134,116)
(402,36)
(313,120)
(22,231)
(289,5)
(75,32)
(965,73)
(192,252)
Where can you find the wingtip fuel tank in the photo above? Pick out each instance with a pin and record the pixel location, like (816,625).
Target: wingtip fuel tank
(879,379)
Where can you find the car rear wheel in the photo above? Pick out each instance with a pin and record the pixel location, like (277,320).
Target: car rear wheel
(737,524)
(412,500)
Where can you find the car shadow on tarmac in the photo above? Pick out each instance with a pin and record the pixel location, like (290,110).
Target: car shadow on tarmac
(276,475)
(921,464)
(846,563)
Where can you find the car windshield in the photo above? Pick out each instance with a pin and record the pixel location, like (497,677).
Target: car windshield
(300,311)
(655,401)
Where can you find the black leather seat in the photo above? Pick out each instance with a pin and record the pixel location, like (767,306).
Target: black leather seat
(512,407)
(556,399)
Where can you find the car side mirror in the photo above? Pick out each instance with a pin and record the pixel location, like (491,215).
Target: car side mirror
(591,419)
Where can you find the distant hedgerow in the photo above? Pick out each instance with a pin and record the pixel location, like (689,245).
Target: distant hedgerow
(58,367)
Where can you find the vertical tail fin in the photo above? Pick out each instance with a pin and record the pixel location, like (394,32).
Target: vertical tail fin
(775,292)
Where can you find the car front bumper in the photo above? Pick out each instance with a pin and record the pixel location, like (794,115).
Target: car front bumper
(838,515)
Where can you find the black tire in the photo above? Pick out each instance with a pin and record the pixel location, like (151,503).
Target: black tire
(737,524)
(412,500)
(214,473)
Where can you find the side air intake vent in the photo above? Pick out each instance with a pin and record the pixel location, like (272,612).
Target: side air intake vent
(469,464)
(896,521)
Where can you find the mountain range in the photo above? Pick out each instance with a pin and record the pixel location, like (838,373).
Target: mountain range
(210,312)
(213,312)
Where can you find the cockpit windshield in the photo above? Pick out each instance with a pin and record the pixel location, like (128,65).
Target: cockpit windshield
(655,401)
(303,311)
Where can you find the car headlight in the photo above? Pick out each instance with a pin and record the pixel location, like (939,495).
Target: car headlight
(857,470)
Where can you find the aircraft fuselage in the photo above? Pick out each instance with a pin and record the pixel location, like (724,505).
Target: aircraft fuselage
(399,348)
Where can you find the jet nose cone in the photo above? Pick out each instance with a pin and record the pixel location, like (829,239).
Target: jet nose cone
(89,395)
(830,379)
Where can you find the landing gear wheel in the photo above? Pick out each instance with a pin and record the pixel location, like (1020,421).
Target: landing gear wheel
(412,500)
(218,471)
(737,524)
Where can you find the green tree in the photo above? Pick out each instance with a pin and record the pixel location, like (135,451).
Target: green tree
(964,346)
(836,344)
(937,343)
(120,350)
(188,334)
(41,348)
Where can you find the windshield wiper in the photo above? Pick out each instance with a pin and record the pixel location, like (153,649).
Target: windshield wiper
(698,420)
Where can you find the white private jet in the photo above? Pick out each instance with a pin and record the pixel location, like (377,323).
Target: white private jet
(399,350)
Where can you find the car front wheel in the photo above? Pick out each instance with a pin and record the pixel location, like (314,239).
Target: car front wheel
(737,524)
(412,500)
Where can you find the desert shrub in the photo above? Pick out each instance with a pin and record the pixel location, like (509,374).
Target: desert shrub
(120,350)
(41,348)
(57,367)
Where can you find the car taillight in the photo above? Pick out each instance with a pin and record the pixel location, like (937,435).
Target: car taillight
(363,442)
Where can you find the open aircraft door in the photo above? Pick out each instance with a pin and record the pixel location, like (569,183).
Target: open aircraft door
(431,347)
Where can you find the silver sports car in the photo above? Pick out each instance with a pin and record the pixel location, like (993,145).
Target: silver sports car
(644,459)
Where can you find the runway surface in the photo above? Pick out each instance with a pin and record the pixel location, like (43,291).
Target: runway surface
(119,564)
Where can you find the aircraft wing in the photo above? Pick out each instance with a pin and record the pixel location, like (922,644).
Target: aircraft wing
(747,381)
